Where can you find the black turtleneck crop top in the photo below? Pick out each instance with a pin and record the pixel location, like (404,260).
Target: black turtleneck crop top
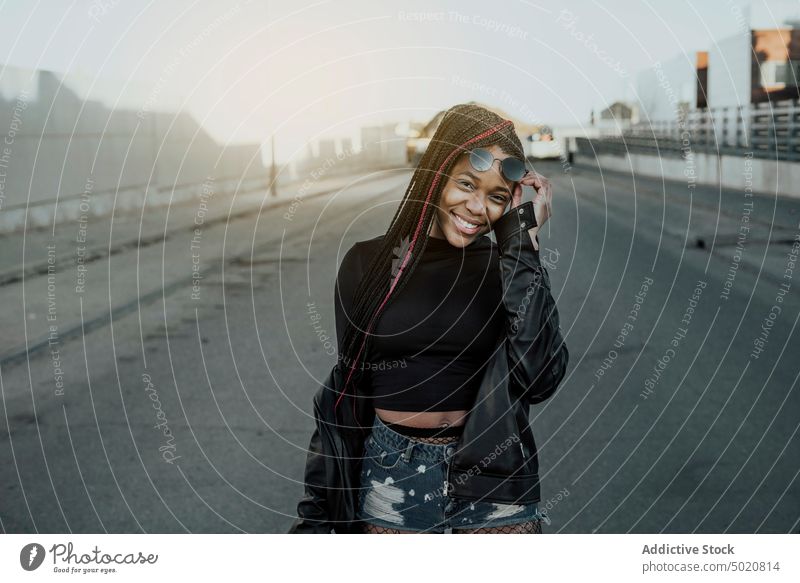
(431,343)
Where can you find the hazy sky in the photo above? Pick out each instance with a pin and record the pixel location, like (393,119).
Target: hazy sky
(248,68)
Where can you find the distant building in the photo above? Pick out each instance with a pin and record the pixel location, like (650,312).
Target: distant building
(701,99)
(617,110)
(667,88)
(749,67)
(763,65)
(775,64)
(327,149)
(381,145)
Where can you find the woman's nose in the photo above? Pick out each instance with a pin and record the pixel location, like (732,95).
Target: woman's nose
(475,206)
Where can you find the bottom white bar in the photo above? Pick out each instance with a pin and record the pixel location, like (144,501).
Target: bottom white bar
(635,557)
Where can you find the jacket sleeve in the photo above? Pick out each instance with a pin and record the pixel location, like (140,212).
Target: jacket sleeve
(537,354)
(312,510)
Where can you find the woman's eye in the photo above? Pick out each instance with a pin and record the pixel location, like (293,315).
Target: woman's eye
(500,198)
(466,184)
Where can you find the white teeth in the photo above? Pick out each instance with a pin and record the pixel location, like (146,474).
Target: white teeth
(465,223)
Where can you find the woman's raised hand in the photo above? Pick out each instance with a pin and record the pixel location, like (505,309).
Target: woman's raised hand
(542,202)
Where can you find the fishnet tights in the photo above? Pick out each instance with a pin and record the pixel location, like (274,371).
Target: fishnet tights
(531,527)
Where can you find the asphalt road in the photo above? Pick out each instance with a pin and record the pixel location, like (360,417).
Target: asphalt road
(185,404)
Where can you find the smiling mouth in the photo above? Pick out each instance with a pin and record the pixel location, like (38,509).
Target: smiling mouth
(465,226)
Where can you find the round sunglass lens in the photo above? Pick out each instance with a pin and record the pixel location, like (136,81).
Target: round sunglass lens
(481,159)
(513,169)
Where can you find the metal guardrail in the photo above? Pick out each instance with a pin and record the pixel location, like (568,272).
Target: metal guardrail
(769,130)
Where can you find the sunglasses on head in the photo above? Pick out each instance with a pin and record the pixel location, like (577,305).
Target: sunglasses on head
(513,169)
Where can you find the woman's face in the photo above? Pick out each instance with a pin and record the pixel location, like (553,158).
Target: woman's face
(471,201)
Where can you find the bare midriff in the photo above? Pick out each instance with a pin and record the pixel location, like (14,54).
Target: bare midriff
(423,418)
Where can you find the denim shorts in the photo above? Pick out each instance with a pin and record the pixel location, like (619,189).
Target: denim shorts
(402,487)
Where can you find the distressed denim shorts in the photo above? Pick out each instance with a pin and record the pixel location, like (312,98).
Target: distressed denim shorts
(402,487)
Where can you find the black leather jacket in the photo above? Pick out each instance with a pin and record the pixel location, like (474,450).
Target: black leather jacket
(496,458)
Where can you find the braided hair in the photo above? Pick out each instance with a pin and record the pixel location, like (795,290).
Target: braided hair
(463,127)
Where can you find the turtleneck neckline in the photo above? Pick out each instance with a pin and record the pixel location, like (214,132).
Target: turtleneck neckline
(437,244)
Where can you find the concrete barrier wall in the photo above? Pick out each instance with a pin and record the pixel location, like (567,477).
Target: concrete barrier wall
(765,176)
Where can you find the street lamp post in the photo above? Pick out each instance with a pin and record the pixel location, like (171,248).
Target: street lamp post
(273,175)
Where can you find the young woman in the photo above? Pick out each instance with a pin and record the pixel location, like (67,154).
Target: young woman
(445,339)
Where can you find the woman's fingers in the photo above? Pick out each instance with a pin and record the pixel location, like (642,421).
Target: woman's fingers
(539,183)
(542,199)
(516,196)
(533,179)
